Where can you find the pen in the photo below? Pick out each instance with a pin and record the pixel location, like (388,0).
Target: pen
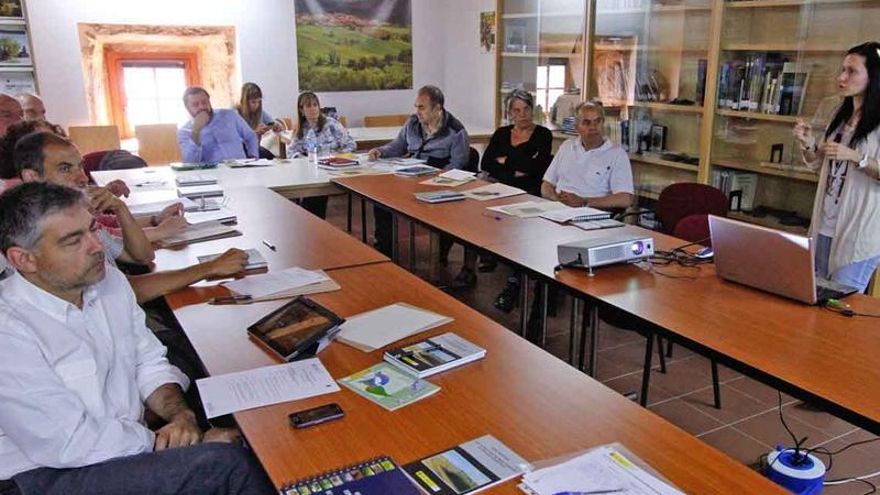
(490,215)
(239,299)
(269,244)
(593,492)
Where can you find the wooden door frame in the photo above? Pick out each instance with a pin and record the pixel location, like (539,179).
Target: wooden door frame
(114,60)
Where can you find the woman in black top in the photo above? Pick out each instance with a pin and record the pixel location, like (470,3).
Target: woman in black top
(519,154)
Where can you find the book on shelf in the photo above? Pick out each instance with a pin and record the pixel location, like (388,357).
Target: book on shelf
(762,82)
(735,184)
(702,66)
(388,387)
(379,476)
(467,468)
(434,355)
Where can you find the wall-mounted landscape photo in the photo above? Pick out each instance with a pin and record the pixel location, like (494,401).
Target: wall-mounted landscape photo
(354,45)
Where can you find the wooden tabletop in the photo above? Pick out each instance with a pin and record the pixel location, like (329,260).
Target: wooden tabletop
(530,400)
(467,220)
(300,239)
(809,351)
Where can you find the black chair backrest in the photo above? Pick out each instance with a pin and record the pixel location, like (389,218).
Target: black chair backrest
(473,161)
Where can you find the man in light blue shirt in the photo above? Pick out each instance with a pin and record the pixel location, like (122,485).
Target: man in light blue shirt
(213,135)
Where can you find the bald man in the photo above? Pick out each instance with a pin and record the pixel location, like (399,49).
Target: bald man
(10,112)
(32,106)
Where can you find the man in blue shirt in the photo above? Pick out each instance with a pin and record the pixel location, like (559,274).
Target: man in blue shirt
(213,135)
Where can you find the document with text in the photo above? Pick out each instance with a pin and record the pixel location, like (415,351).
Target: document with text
(232,392)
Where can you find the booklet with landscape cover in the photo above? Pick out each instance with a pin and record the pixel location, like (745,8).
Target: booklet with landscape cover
(434,355)
(388,386)
(468,468)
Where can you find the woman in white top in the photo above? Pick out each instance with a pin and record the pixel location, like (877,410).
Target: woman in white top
(846,212)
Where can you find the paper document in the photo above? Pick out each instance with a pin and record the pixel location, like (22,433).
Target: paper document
(225,394)
(275,282)
(603,469)
(376,329)
(568,214)
(458,174)
(492,191)
(249,162)
(444,182)
(156,207)
(221,214)
(528,209)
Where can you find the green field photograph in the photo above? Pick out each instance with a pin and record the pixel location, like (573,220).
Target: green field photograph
(354,45)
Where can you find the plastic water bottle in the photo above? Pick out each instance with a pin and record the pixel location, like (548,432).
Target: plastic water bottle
(312,148)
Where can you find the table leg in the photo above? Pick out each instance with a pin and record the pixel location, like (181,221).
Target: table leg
(524,303)
(363,220)
(545,297)
(348,218)
(582,349)
(646,373)
(572,331)
(395,244)
(594,341)
(412,246)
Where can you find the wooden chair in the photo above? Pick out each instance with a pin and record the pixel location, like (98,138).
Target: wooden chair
(89,138)
(157,143)
(874,286)
(395,120)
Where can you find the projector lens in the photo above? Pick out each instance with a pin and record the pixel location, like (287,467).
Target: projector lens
(638,247)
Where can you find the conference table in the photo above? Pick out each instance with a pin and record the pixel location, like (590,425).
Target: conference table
(807,351)
(528,399)
(535,403)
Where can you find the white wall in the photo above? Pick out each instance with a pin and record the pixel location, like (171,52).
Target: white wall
(445,53)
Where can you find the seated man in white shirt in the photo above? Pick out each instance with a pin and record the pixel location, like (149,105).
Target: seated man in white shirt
(78,366)
(590,170)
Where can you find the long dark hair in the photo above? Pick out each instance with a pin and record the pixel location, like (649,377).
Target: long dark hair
(301,116)
(250,91)
(870,118)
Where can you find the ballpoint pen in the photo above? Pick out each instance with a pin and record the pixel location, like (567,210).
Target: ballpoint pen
(592,492)
(269,244)
(237,299)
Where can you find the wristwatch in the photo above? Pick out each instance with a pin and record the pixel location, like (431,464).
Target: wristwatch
(863,163)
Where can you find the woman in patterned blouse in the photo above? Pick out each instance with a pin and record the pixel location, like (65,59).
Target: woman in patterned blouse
(330,135)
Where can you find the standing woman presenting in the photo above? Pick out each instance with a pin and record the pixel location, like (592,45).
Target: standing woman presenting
(846,212)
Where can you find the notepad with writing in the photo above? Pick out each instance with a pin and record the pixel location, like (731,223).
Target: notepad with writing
(378,328)
(492,191)
(379,476)
(576,214)
(200,232)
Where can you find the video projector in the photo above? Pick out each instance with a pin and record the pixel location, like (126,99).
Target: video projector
(607,250)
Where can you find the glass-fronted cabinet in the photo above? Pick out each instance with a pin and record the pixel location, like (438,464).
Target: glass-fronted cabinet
(649,66)
(541,50)
(778,61)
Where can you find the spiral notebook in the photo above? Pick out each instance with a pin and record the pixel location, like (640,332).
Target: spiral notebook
(379,476)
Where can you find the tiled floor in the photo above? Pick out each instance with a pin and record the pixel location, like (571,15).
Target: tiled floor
(748,424)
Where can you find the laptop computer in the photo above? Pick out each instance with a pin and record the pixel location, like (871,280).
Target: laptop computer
(770,260)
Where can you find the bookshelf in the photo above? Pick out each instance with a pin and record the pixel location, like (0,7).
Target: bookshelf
(17,71)
(800,42)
